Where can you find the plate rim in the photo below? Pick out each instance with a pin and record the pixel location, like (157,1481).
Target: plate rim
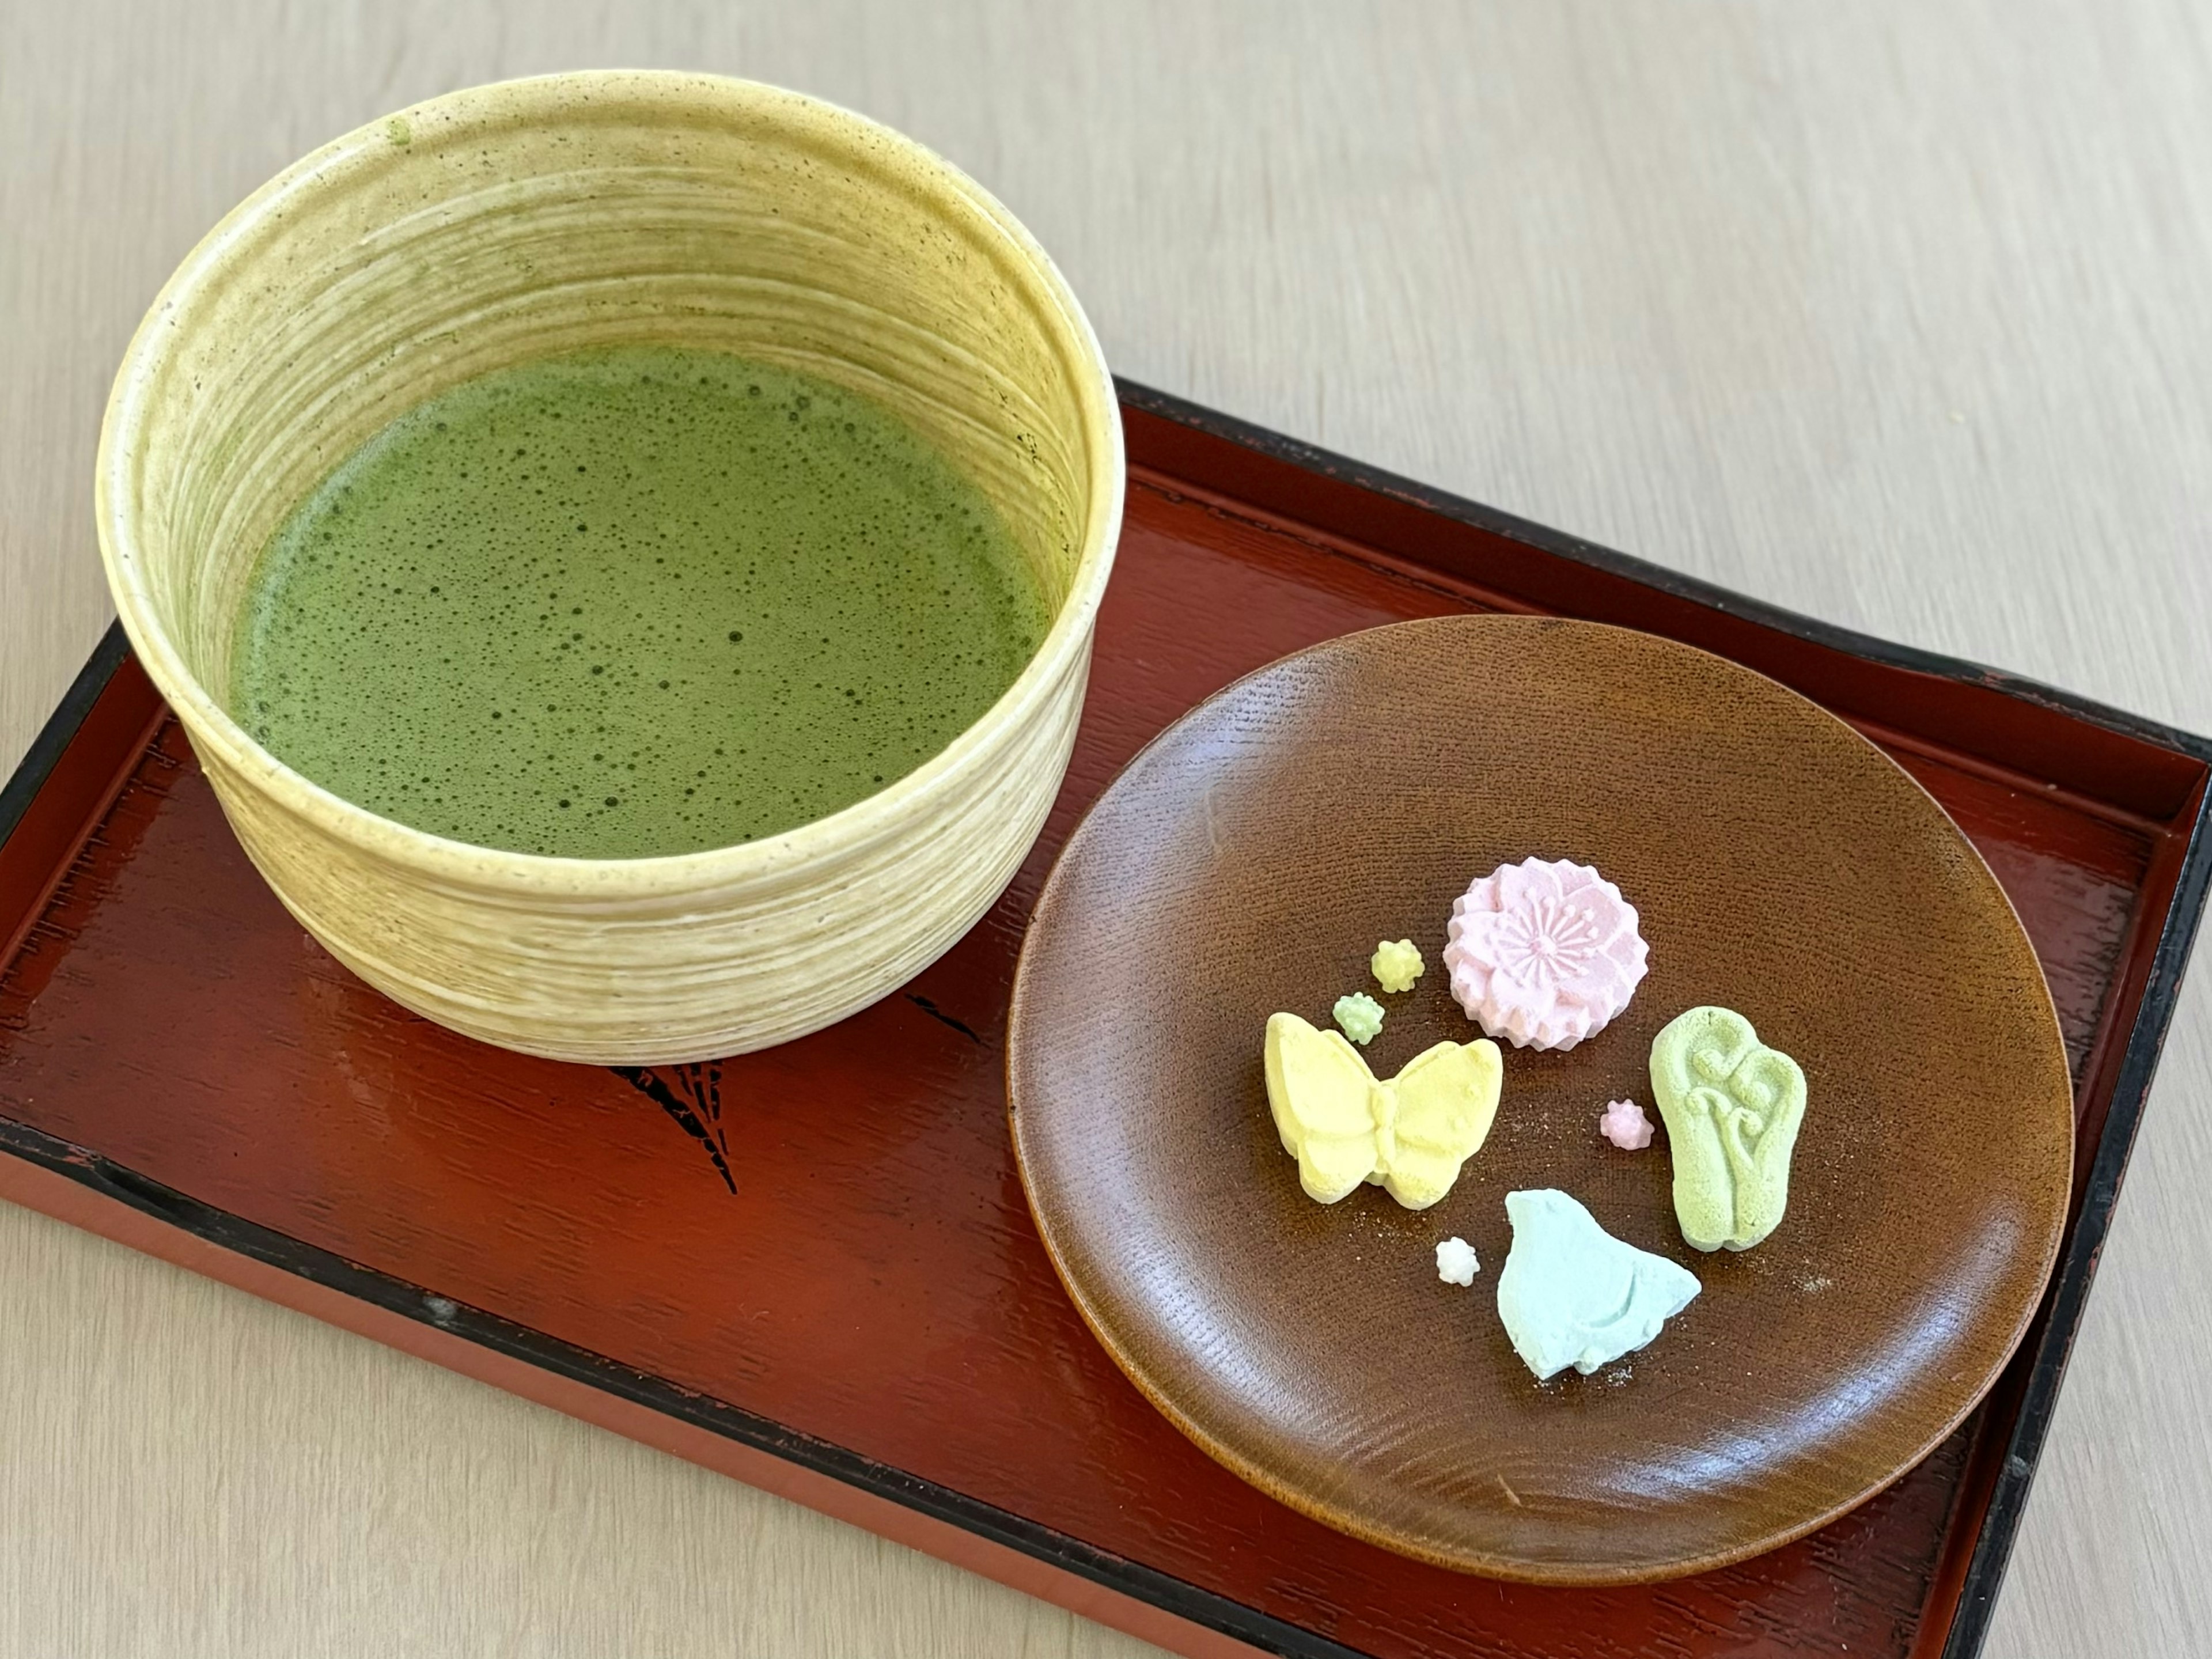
(1514,1569)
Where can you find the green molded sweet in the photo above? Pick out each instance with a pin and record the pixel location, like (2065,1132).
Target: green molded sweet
(1360,1016)
(1732,1107)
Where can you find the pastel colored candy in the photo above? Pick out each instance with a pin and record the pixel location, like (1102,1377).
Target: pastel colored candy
(1572,1294)
(1732,1106)
(1360,1016)
(1397,965)
(1624,1124)
(1408,1136)
(1543,954)
(1456,1263)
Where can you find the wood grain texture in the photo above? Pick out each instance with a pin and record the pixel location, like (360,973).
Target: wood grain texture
(739,1251)
(1247,861)
(1889,313)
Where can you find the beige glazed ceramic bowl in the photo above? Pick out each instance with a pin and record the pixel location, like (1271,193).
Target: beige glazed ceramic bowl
(540,216)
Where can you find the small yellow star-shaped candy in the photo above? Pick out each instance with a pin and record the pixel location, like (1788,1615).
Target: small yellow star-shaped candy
(1396,966)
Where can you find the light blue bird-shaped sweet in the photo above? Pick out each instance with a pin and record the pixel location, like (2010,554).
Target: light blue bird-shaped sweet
(1572,1294)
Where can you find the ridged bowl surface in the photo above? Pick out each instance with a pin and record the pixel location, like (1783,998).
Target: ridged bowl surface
(534,217)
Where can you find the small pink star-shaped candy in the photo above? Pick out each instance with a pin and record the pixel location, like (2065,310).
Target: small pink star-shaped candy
(1625,1125)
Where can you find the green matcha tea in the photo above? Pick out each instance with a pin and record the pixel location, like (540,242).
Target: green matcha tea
(631,602)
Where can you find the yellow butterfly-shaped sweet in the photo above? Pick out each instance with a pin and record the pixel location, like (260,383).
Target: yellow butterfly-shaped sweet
(1345,1126)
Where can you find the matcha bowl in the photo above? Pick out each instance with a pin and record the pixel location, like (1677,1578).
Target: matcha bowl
(533,218)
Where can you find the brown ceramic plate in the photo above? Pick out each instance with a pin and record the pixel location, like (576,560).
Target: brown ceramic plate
(1249,860)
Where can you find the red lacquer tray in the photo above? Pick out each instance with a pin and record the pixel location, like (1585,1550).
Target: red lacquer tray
(813,1268)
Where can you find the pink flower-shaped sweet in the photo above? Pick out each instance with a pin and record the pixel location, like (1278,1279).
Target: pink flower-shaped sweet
(1543,954)
(1624,1124)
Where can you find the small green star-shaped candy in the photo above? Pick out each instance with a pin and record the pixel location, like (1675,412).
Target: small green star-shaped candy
(1395,967)
(1360,1016)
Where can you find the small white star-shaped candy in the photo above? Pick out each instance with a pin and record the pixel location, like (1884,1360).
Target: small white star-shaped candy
(1455,1262)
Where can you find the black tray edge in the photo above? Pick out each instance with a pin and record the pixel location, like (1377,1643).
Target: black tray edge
(234,1233)
(320,1266)
(2067,1298)
(45,751)
(2068,1294)
(1312,458)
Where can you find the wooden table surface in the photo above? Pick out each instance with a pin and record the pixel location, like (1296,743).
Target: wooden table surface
(1891,312)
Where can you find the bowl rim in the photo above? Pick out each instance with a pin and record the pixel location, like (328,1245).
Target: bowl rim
(841,835)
